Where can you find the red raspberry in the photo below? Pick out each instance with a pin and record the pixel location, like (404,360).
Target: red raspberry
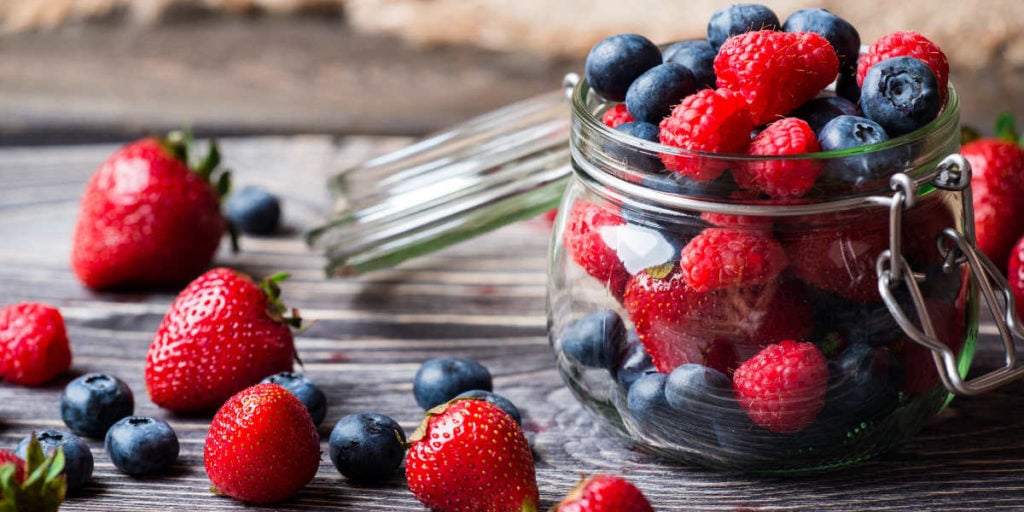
(727,220)
(784,178)
(33,344)
(712,121)
(782,388)
(776,71)
(617,115)
(906,44)
(583,241)
(721,257)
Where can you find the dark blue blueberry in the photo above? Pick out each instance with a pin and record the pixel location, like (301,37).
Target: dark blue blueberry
(864,384)
(901,94)
(139,445)
(846,85)
(652,95)
(595,339)
(698,56)
(647,403)
(614,62)
(367,447)
(819,111)
(868,323)
(634,362)
(503,403)
(637,158)
(305,390)
(860,169)
(253,210)
(698,389)
(78,461)
(93,402)
(838,32)
(737,19)
(443,378)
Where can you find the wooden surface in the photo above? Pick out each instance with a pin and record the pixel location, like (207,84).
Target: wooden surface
(483,299)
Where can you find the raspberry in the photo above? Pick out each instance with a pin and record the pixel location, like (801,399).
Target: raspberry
(782,388)
(721,257)
(776,71)
(617,115)
(588,249)
(711,120)
(906,44)
(786,178)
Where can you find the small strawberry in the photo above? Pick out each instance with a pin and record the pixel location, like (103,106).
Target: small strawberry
(468,455)
(1015,275)
(720,258)
(782,388)
(906,44)
(33,344)
(997,183)
(710,121)
(604,493)
(148,219)
(584,242)
(784,178)
(36,484)
(776,72)
(262,446)
(223,333)
(617,115)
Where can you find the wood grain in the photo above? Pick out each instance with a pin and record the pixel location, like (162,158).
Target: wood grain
(482,299)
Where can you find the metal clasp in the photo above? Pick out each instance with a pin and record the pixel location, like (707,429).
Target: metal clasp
(953,173)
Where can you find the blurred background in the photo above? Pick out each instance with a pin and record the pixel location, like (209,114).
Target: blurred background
(96,70)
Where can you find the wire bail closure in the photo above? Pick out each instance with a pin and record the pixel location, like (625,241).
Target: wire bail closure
(952,173)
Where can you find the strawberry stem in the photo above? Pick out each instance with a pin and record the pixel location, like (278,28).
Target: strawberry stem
(1006,128)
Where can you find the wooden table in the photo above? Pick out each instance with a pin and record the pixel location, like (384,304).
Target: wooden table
(483,299)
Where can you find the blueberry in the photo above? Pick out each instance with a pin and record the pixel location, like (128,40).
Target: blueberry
(697,389)
(819,111)
(139,445)
(846,85)
(646,399)
(634,362)
(440,379)
(503,403)
(864,384)
(305,390)
(78,461)
(652,95)
(868,323)
(901,94)
(253,210)
(859,169)
(93,402)
(633,157)
(595,339)
(838,32)
(737,19)
(698,56)
(367,447)
(615,61)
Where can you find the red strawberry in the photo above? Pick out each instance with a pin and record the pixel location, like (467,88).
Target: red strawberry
(468,455)
(1015,275)
(262,446)
(617,115)
(605,493)
(720,258)
(905,44)
(223,333)
(782,388)
(147,219)
(33,344)
(775,71)
(997,182)
(586,246)
(711,121)
(785,178)
(7,457)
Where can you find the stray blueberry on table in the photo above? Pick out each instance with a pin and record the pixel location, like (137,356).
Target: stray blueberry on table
(139,445)
(78,461)
(367,447)
(503,403)
(652,95)
(901,94)
(440,379)
(305,390)
(253,210)
(595,339)
(93,402)
(737,19)
(698,56)
(615,61)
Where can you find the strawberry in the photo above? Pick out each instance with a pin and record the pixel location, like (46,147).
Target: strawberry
(997,182)
(147,219)
(721,257)
(617,115)
(584,242)
(262,446)
(785,178)
(223,333)
(604,493)
(33,344)
(36,484)
(711,121)
(8,457)
(468,455)
(782,388)
(1015,275)
(775,71)
(906,44)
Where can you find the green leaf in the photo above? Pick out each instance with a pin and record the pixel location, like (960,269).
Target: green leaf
(1006,127)
(206,167)
(224,184)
